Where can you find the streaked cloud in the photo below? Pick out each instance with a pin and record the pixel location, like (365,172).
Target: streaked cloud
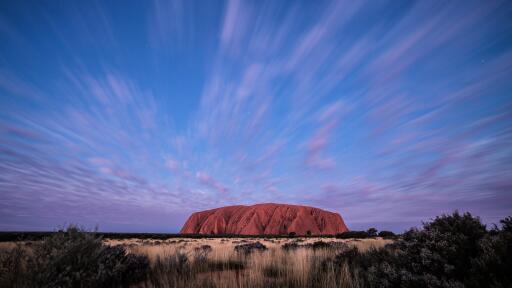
(388,112)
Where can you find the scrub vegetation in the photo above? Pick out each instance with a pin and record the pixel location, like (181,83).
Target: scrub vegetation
(454,250)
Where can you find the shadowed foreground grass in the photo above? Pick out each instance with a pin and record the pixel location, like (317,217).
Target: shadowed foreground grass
(450,251)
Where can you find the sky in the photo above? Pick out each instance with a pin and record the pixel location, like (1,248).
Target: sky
(130,115)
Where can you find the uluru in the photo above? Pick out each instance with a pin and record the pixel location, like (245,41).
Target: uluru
(265,219)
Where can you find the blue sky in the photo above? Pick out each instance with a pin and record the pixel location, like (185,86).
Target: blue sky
(130,115)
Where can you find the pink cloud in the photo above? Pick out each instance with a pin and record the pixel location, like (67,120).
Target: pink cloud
(329,119)
(172,164)
(207,180)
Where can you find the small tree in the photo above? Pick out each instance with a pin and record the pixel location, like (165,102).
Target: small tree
(292,234)
(372,232)
(308,233)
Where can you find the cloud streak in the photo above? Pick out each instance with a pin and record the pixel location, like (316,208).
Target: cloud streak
(385,112)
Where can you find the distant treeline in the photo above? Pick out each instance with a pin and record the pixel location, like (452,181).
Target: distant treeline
(36,236)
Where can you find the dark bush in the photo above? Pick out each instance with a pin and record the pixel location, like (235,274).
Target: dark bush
(201,254)
(250,247)
(318,245)
(495,258)
(386,234)
(368,264)
(506,225)
(240,241)
(290,246)
(451,251)
(372,232)
(315,245)
(78,259)
(353,234)
(119,268)
(207,248)
(13,268)
(445,247)
(271,271)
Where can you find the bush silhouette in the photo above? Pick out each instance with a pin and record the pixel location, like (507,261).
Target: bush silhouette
(353,234)
(13,270)
(451,251)
(386,234)
(372,232)
(76,258)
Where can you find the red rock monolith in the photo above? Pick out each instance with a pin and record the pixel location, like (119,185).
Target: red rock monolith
(265,219)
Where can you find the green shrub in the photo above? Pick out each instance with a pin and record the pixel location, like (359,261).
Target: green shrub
(76,258)
(116,267)
(451,251)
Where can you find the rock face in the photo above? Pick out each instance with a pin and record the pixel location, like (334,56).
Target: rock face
(262,219)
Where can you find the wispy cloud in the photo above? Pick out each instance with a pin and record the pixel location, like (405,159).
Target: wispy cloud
(385,112)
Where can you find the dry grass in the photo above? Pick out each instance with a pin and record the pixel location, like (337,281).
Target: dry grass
(187,263)
(274,267)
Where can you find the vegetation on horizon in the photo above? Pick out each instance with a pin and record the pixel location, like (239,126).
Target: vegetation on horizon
(40,235)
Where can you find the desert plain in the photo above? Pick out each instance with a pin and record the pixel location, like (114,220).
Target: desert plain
(217,262)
